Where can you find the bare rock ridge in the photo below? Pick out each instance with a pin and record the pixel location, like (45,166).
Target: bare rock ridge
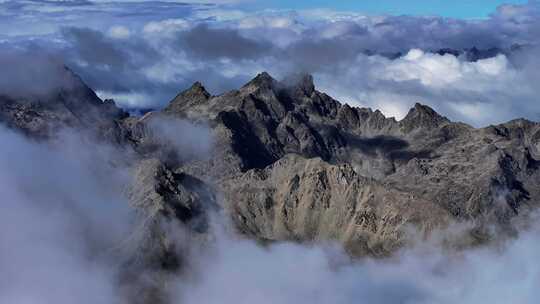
(183,101)
(74,105)
(306,200)
(292,163)
(422,117)
(292,151)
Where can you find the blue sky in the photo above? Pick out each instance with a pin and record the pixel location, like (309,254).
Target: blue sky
(446,8)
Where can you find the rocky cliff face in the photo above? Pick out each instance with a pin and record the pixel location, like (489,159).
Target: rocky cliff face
(295,164)
(307,200)
(292,163)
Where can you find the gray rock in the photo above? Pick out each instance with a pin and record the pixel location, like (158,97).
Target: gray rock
(173,217)
(294,164)
(309,200)
(279,141)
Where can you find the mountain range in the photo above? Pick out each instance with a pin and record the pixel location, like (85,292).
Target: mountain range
(286,162)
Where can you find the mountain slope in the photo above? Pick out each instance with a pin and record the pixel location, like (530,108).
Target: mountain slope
(291,163)
(278,141)
(73,104)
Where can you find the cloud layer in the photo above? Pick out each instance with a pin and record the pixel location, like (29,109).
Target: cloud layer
(239,271)
(142,54)
(62,216)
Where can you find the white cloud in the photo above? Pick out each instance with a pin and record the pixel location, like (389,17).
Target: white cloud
(250,22)
(437,71)
(119,32)
(239,271)
(196,142)
(165,27)
(129,100)
(487,91)
(61,218)
(326,43)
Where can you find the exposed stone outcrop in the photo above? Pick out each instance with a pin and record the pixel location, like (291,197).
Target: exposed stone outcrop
(309,200)
(278,137)
(173,217)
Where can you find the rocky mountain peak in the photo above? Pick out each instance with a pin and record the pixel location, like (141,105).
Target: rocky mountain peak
(295,164)
(197,93)
(67,102)
(198,87)
(197,90)
(302,83)
(261,81)
(422,116)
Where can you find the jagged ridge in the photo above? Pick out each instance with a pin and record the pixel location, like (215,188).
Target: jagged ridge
(460,173)
(292,163)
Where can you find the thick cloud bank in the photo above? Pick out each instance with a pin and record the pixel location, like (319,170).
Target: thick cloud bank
(143,53)
(62,218)
(490,90)
(239,271)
